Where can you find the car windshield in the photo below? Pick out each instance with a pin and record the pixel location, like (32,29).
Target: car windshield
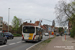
(7,33)
(28,29)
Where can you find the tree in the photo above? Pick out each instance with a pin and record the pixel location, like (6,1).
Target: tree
(66,12)
(16,22)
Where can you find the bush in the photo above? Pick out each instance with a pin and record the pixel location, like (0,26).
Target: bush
(17,34)
(72,32)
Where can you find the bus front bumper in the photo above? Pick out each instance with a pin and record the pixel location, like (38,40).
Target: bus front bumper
(28,40)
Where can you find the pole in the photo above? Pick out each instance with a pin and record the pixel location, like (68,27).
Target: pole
(8,17)
(65,37)
(49,34)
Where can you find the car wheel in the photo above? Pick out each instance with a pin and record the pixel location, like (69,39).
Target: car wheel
(7,37)
(12,37)
(5,41)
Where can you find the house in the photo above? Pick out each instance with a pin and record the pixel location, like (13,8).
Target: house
(69,26)
(56,30)
(32,24)
(5,28)
(1,23)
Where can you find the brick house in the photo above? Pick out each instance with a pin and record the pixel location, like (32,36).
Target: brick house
(32,24)
(5,28)
(69,26)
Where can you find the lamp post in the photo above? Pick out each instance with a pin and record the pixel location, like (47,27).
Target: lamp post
(8,17)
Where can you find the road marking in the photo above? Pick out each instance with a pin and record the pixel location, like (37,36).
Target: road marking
(19,42)
(12,43)
(3,46)
(33,45)
(9,40)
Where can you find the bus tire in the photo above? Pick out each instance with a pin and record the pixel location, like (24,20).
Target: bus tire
(26,41)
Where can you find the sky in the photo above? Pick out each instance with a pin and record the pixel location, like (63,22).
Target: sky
(29,9)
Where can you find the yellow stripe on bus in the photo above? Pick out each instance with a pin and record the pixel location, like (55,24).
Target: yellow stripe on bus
(30,36)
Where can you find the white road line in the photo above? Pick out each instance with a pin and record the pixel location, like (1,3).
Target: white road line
(12,43)
(19,42)
(33,45)
(9,40)
(3,46)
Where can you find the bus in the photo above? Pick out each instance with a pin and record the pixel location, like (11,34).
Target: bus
(32,33)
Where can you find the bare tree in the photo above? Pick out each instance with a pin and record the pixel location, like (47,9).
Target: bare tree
(64,11)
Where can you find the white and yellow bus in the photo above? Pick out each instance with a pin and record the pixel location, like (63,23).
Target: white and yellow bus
(32,33)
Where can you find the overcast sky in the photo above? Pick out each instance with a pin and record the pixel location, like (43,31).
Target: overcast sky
(28,9)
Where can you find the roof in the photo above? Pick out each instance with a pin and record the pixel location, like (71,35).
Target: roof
(43,26)
(37,23)
(32,24)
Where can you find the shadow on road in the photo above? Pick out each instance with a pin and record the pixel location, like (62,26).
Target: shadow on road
(30,42)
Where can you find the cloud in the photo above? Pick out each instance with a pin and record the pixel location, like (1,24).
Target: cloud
(28,9)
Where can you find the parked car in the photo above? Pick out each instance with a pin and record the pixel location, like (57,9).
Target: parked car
(46,34)
(8,35)
(3,38)
(57,34)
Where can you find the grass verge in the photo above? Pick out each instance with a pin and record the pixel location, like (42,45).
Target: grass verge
(16,35)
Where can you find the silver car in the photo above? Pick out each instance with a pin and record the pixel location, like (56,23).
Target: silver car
(3,39)
(57,34)
(46,34)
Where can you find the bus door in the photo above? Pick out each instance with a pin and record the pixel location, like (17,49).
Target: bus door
(38,31)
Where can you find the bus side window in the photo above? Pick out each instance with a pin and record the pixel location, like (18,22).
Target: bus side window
(37,31)
(40,31)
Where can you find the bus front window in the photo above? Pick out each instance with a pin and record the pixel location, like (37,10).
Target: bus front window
(28,29)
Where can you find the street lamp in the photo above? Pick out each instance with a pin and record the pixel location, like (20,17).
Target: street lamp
(8,17)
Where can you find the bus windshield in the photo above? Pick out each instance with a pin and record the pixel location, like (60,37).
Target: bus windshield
(28,29)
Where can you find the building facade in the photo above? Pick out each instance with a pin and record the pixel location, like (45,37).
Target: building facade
(69,26)
(1,24)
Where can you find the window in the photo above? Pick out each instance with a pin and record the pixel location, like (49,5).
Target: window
(0,25)
(38,31)
(7,33)
(28,29)
(1,34)
(0,28)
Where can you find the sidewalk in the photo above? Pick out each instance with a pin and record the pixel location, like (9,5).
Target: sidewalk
(59,43)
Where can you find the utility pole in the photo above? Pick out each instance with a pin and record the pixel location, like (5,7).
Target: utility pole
(8,17)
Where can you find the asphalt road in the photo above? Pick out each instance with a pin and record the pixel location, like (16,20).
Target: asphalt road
(18,44)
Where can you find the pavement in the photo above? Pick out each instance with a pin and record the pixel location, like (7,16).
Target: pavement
(59,43)
(18,44)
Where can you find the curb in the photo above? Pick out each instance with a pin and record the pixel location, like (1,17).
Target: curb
(33,45)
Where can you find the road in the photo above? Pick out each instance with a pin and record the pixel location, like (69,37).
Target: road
(18,44)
